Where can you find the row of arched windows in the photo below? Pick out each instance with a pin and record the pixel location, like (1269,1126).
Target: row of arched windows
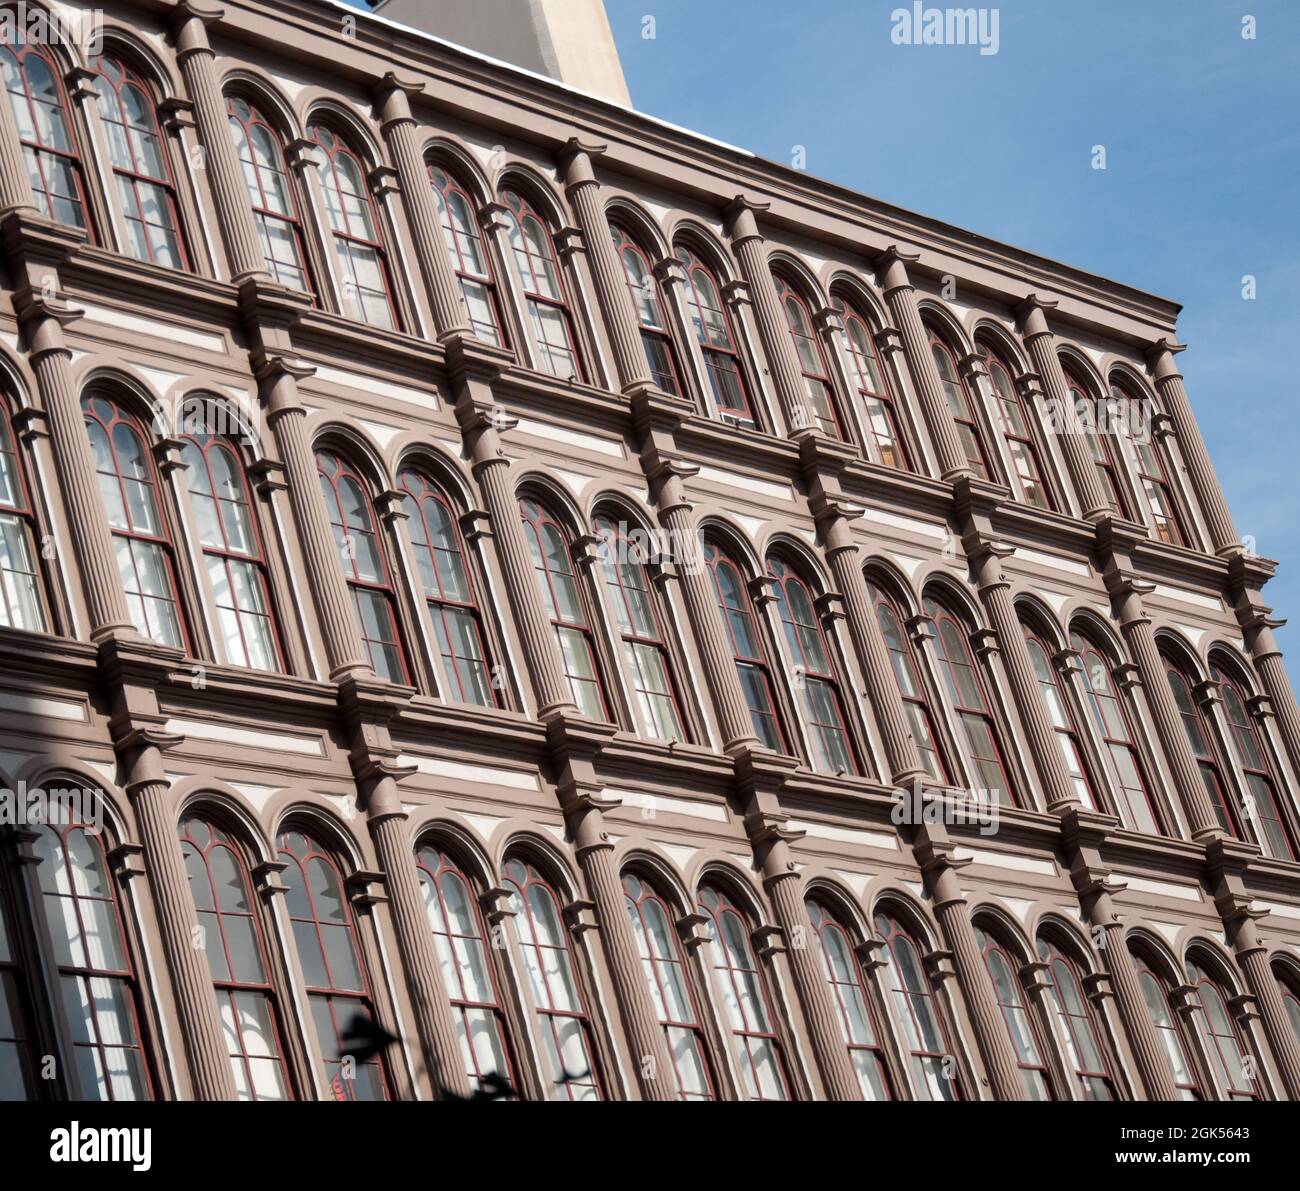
(850,392)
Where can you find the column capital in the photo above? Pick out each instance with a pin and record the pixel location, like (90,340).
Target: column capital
(740,216)
(891,268)
(1032,312)
(575,158)
(1160,358)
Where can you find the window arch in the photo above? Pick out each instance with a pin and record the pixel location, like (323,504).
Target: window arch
(969,703)
(270,194)
(19,1049)
(99,991)
(333,968)
(747,647)
(566,605)
(639,619)
(50,150)
(1076,1022)
(648,305)
(816,679)
(850,996)
(911,685)
(745,998)
(129,489)
(364,565)
(468,254)
(564,1028)
(670,988)
(716,334)
(1156,993)
(1266,815)
(1204,752)
(916,1012)
(233,552)
(811,358)
(142,168)
(233,939)
(1004,976)
(1060,710)
(1102,446)
(874,389)
(1290,1001)
(1112,720)
(1221,1039)
(22,596)
(541,278)
(466,963)
(1152,469)
(1017,431)
(448,589)
(356,231)
(962,404)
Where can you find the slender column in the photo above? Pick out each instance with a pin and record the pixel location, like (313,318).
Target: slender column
(402,136)
(277,377)
(1252,958)
(1041,342)
(901,296)
(195,57)
(1169,384)
(773,327)
(1257,627)
(864,629)
(607,270)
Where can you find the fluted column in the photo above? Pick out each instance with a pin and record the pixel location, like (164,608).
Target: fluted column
(1257,627)
(607,270)
(773,327)
(1252,958)
(1041,343)
(1214,508)
(277,377)
(402,137)
(901,296)
(195,57)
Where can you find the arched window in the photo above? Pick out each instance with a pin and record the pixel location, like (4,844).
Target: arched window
(338,992)
(1221,1040)
(874,390)
(542,280)
(97,983)
(231,934)
(745,1000)
(911,687)
(1003,974)
(565,605)
(1153,474)
(1265,812)
(19,1051)
(466,963)
(661,356)
(916,1014)
(849,993)
(129,490)
(364,565)
(814,677)
(640,627)
(746,647)
(969,703)
(142,169)
(1290,1002)
(468,254)
(563,1028)
(717,339)
(1208,763)
(49,143)
(233,553)
(812,359)
(1018,432)
(270,194)
(1111,719)
(22,602)
(1101,444)
(1061,712)
(448,590)
(355,228)
(962,405)
(670,988)
(1155,992)
(1076,1023)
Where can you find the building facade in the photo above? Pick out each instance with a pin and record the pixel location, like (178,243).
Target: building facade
(631,620)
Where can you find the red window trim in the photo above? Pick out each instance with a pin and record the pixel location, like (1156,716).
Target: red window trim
(993,944)
(994,359)
(785,294)
(624,242)
(1050,954)
(1072,732)
(1211,1037)
(1206,762)
(1161,481)
(1101,437)
(1142,967)
(23,508)
(884,393)
(982,464)
(692,264)
(487,279)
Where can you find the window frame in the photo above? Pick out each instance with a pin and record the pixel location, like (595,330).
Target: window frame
(1102,448)
(822,382)
(693,263)
(1210,762)
(1212,1041)
(23,512)
(871,395)
(466,277)
(981,464)
(1173,1032)
(1008,406)
(1159,478)
(1069,734)
(650,333)
(1016,1012)
(1066,1024)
